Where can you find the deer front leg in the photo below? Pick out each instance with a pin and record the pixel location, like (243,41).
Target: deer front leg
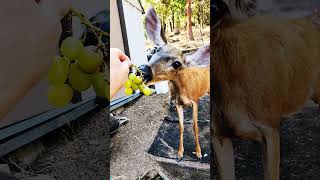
(271,152)
(196,130)
(224,157)
(181,128)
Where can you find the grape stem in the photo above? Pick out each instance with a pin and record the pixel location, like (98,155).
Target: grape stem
(137,68)
(97,31)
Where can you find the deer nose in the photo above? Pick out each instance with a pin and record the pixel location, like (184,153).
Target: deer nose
(146,72)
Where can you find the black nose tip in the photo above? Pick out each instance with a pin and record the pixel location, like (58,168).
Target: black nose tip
(146,72)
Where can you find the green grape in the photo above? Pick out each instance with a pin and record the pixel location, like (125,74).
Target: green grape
(99,84)
(71,47)
(132,76)
(90,59)
(78,79)
(60,95)
(141,87)
(137,80)
(146,91)
(128,84)
(128,91)
(134,86)
(58,72)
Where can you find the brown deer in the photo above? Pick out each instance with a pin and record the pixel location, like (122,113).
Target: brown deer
(187,84)
(263,68)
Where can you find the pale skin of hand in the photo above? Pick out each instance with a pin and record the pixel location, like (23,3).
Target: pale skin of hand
(28,44)
(119,70)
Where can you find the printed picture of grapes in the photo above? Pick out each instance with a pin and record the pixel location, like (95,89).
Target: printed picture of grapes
(79,67)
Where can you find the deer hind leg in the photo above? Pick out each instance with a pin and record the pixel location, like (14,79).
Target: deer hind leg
(271,153)
(181,128)
(316,93)
(224,157)
(196,130)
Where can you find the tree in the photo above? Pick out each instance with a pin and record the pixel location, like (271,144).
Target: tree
(189,20)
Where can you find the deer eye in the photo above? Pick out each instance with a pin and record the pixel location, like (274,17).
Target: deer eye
(176,64)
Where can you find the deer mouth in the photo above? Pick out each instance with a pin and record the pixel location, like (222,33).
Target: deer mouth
(146,73)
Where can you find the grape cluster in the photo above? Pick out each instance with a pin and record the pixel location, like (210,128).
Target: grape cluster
(78,68)
(135,82)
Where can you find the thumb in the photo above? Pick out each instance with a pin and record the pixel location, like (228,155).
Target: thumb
(127,62)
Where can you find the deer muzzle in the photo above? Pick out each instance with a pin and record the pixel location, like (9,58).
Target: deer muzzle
(146,72)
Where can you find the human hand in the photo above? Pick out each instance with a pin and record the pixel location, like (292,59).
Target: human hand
(28,44)
(119,70)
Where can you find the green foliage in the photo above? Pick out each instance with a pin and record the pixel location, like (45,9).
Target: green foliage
(174,12)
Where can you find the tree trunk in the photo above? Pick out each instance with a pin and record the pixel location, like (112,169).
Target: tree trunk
(189,20)
(201,12)
(173,26)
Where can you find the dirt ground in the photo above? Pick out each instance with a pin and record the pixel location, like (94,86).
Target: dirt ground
(78,151)
(181,41)
(129,157)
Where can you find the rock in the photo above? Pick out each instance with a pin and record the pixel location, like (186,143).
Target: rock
(118,111)
(40,177)
(29,153)
(7,176)
(153,174)
(93,142)
(4,168)
(176,31)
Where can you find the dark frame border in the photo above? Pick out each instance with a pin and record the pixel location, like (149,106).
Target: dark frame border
(123,28)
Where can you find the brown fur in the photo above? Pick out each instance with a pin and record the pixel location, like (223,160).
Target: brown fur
(190,84)
(270,70)
(187,85)
(263,68)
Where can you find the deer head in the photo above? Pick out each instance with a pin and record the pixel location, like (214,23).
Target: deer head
(166,60)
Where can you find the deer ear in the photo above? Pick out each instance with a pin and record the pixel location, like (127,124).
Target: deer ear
(153,28)
(200,58)
(242,9)
(233,11)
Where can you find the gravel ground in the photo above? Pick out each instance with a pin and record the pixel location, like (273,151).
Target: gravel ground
(129,157)
(78,151)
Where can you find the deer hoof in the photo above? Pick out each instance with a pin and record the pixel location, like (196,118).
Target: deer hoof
(199,159)
(179,159)
(199,155)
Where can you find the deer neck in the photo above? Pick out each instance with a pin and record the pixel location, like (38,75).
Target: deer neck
(191,83)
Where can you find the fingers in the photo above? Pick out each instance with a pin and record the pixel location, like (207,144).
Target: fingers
(123,57)
(127,62)
(119,54)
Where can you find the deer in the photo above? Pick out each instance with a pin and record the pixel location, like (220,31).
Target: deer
(263,68)
(188,81)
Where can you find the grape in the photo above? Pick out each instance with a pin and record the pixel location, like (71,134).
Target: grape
(128,91)
(146,91)
(78,79)
(132,76)
(89,59)
(60,95)
(128,84)
(134,86)
(99,84)
(58,72)
(137,80)
(141,86)
(71,47)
